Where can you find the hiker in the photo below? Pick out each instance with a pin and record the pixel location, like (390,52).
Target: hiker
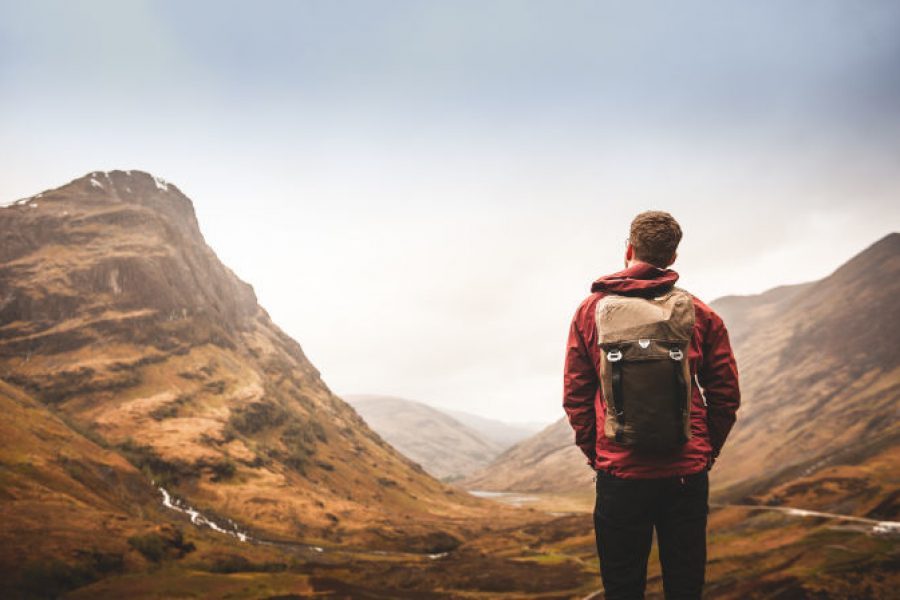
(651,391)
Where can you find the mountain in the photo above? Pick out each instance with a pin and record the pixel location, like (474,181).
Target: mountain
(443,446)
(118,321)
(500,432)
(820,377)
(547,461)
(821,381)
(744,314)
(163,438)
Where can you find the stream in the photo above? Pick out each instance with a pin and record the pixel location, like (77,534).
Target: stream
(199,519)
(232,529)
(873,526)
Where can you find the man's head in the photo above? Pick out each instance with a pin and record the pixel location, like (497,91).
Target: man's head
(653,239)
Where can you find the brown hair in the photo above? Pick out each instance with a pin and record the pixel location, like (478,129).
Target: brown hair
(655,235)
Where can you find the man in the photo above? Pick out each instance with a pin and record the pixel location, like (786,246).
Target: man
(665,487)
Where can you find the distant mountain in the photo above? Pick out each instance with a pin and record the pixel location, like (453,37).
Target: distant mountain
(743,315)
(122,336)
(444,446)
(501,432)
(546,461)
(820,375)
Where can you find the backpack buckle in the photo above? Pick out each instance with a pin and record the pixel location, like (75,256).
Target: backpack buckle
(676,354)
(613,355)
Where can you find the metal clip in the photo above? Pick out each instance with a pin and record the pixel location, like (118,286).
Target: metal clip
(676,354)
(613,355)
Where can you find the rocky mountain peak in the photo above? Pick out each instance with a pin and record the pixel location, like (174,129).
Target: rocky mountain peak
(121,242)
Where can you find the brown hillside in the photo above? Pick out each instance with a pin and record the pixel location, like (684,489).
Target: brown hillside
(116,314)
(548,461)
(820,374)
(65,488)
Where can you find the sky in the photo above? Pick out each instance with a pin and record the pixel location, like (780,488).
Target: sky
(421,192)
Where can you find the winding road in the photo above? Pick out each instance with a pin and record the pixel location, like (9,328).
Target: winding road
(877,527)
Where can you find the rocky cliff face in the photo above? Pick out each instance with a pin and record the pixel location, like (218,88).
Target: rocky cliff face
(115,314)
(119,240)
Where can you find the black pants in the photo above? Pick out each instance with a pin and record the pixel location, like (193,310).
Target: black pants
(625,513)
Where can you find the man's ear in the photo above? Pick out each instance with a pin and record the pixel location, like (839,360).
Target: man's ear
(672,260)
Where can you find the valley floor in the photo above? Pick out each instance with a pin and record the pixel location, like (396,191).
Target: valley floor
(754,552)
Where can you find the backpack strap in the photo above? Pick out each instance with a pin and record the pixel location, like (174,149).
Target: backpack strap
(681,386)
(618,400)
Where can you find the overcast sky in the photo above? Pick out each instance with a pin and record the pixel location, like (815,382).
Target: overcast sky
(421,192)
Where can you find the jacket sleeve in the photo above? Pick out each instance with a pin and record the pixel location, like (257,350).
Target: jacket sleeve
(718,376)
(580,383)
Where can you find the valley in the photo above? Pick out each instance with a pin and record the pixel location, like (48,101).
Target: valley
(162,437)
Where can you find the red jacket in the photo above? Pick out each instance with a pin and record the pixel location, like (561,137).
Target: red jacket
(712,365)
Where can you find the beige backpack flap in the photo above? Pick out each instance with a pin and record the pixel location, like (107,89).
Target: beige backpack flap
(657,324)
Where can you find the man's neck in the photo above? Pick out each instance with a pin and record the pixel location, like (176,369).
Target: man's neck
(635,261)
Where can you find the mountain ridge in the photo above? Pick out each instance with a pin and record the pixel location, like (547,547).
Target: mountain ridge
(444,446)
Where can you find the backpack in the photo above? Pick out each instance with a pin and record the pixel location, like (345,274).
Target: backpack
(645,377)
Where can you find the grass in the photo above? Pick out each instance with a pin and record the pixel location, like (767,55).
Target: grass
(156,548)
(176,582)
(546,559)
(154,466)
(52,578)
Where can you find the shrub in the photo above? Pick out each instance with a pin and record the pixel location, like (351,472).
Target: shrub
(152,546)
(215,387)
(155,547)
(255,417)
(52,578)
(223,469)
(235,563)
(154,466)
(170,409)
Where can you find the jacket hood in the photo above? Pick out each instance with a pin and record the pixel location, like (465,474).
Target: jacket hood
(640,279)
